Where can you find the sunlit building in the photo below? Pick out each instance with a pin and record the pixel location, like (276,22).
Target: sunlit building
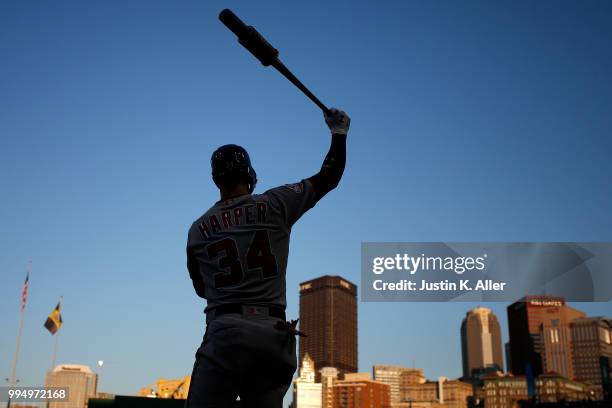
(481,346)
(307,393)
(393,374)
(329,376)
(81,382)
(168,388)
(358,390)
(452,394)
(328,315)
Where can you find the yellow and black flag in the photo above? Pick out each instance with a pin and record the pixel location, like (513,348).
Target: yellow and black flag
(54,321)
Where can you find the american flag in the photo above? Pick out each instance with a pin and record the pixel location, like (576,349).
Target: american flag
(24,295)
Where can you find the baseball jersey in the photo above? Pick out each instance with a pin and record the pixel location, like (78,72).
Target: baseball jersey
(239,247)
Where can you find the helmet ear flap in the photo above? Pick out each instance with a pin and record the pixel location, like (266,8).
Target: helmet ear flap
(252,179)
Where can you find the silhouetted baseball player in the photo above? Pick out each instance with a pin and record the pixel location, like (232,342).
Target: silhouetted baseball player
(237,258)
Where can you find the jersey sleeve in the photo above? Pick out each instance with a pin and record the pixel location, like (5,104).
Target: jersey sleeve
(292,200)
(192,263)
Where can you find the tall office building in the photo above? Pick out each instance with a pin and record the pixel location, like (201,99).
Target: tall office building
(535,322)
(328,315)
(307,393)
(481,346)
(80,381)
(592,353)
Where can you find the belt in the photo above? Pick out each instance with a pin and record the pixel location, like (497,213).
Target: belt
(249,310)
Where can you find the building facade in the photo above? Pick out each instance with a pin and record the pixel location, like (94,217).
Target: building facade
(505,391)
(329,376)
(451,394)
(328,315)
(81,382)
(481,346)
(592,353)
(168,388)
(535,322)
(358,390)
(556,388)
(307,393)
(393,374)
(556,352)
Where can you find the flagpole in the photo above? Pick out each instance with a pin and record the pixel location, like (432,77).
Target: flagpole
(54,357)
(13,378)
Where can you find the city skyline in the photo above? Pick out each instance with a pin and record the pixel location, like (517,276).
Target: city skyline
(408,364)
(393,375)
(109,113)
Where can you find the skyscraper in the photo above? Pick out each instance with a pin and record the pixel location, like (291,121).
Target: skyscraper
(328,315)
(80,381)
(535,322)
(481,346)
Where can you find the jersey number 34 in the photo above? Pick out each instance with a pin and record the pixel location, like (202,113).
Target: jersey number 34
(259,256)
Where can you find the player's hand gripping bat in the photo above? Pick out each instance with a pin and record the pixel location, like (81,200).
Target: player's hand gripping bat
(264,51)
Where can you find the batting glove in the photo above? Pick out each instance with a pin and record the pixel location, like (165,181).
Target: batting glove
(337,121)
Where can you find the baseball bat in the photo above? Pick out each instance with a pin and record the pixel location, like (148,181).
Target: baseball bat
(257,45)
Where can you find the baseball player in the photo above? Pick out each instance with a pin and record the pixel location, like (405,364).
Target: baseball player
(237,257)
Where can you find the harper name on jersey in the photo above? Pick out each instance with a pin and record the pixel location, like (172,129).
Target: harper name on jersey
(214,223)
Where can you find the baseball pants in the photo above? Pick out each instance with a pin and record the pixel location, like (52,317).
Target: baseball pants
(243,356)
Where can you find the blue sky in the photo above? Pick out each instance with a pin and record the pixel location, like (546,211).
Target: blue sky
(472,121)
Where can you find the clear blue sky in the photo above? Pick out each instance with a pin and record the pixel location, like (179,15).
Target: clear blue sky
(471,121)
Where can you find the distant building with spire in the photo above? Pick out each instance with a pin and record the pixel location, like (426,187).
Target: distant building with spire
(307,393)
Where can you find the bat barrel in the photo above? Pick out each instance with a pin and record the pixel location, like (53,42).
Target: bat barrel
(250,39)
(257,45)
(233,22)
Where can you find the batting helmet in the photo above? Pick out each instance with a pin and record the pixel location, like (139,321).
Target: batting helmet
(231,165)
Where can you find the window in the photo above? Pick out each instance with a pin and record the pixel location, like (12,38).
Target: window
(606,336)
(554,335)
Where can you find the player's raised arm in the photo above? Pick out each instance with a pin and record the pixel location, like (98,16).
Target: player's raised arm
(333,166)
